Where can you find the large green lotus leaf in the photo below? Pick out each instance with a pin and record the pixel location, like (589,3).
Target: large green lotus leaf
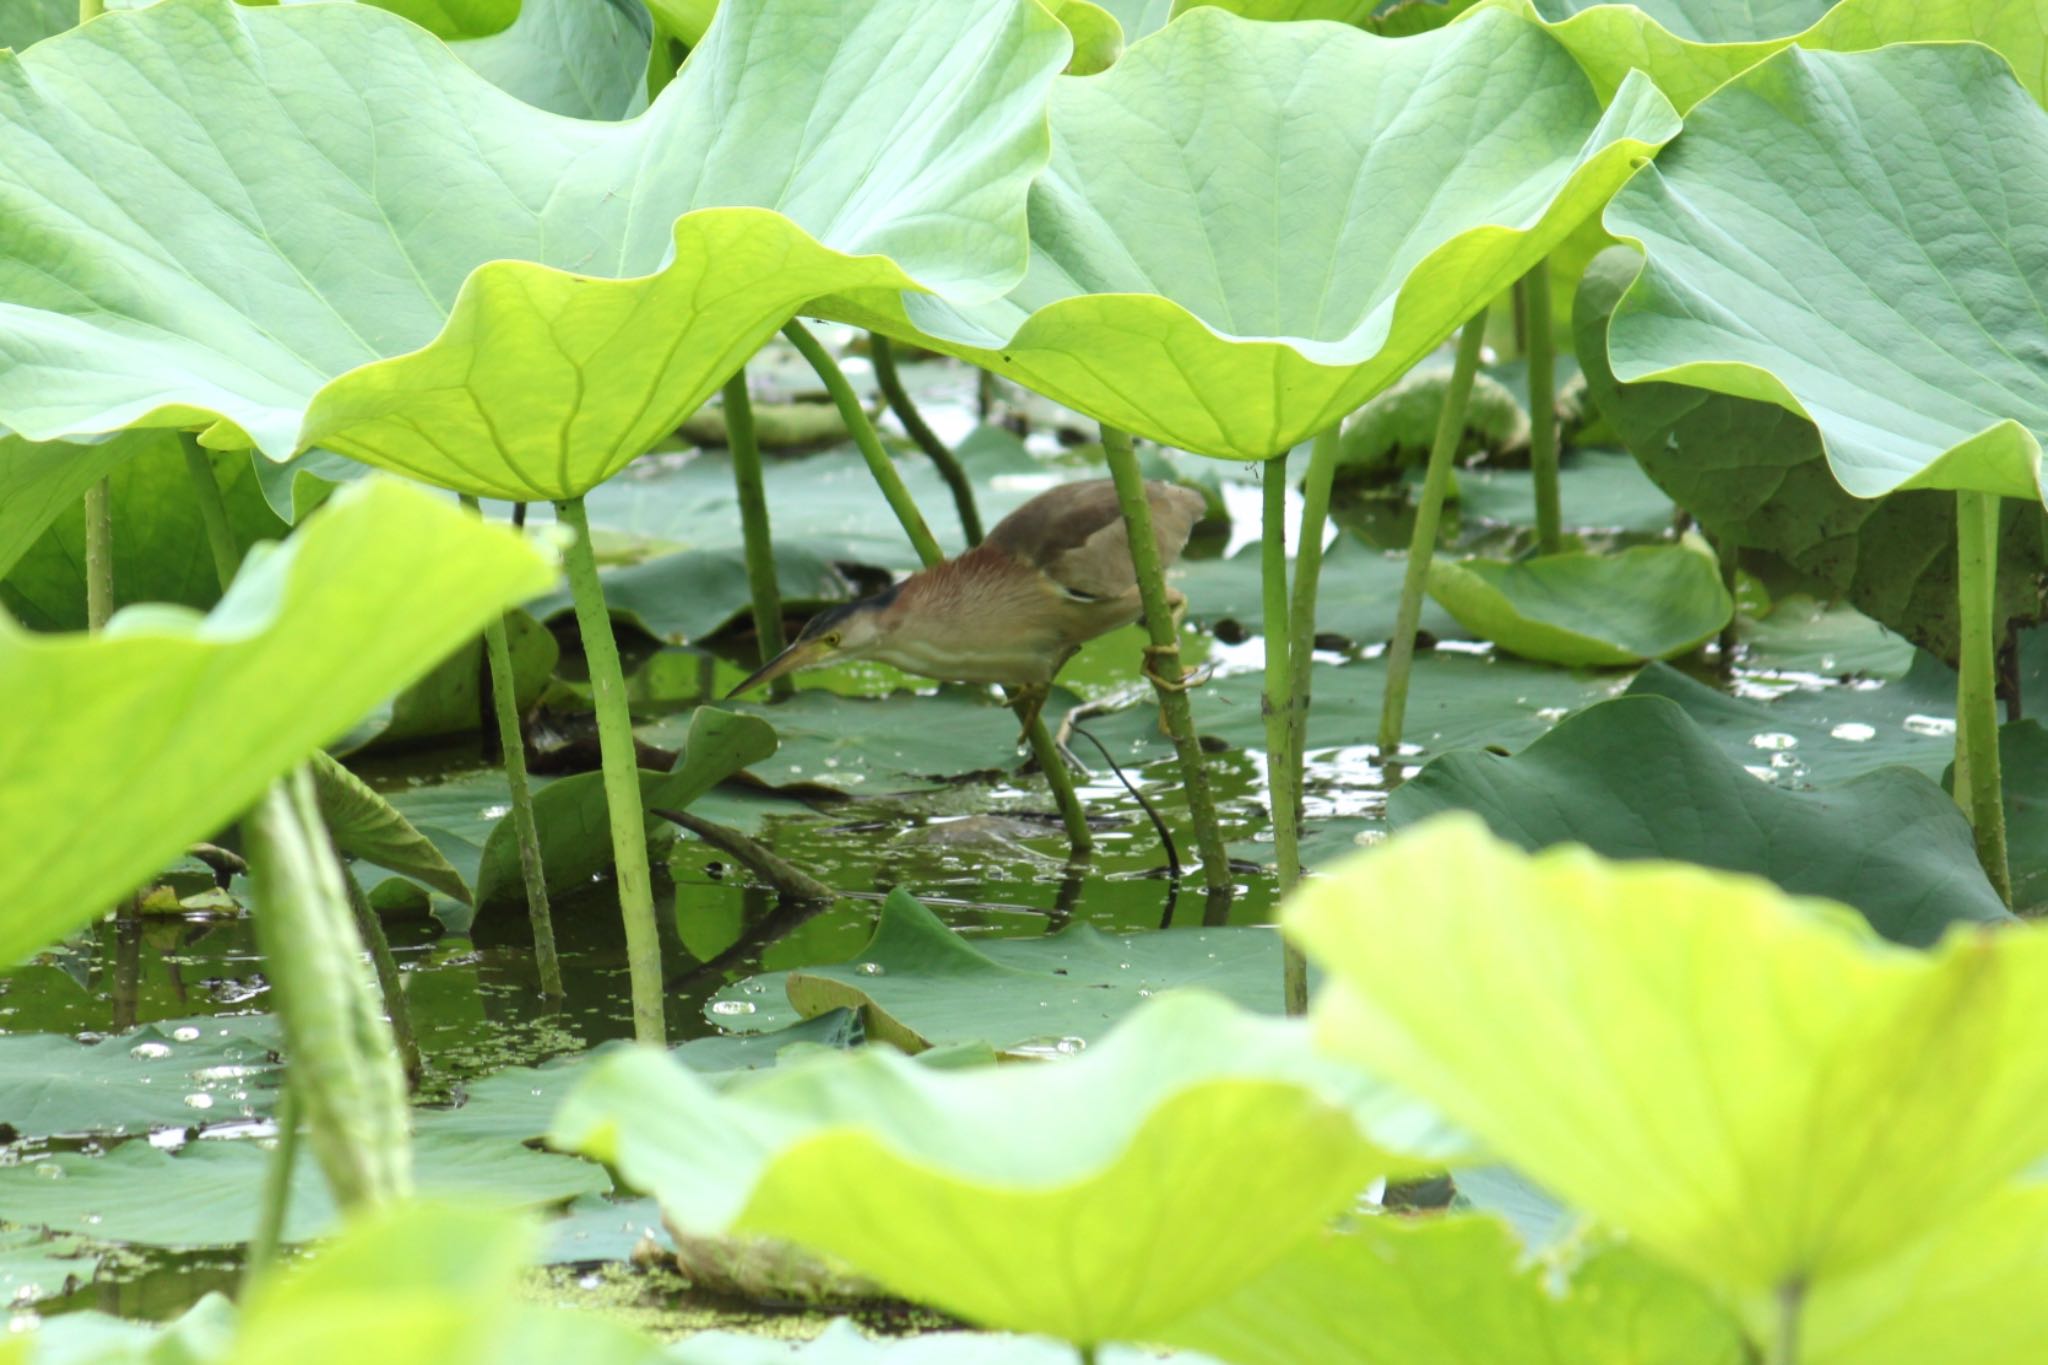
(1756,477)
(160,547)
(1357,13)
(1047,1197)
(36,1266)
(1458,1291)
(209,1193)
(917,984)
(38,481)
(1691,46)
(577,58)
(1637,778)
(52,1085)
(1754,1087)
(169,724)
(1356,598)
(694,593)
(30,21)
(1249,229)
(1603,490)
(525,303)
(1796,256)
(1586,610)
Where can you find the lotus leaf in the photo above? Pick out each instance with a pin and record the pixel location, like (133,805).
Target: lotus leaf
(917,984)
(694,593)
(41,480)
(286,280)
(1583,610)
(33,1266)
(153,1077)
(1756,476)
(1052,1198)
(1455,1291)
(1249,229)
(842,1343)
(2023,757)
(578,58)
(130,745)
(365,825)
(1637,778)
(1796,257)
(30,21)
(1355,601)
(1752,1086)
(1603,490)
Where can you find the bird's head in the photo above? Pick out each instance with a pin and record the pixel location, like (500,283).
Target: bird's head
(838,634)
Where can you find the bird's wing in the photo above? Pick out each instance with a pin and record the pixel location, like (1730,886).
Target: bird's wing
(1074,534)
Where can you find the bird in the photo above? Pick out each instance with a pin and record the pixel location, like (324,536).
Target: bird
(1050,577)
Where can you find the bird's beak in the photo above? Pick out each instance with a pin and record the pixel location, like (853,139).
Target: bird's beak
(802,654)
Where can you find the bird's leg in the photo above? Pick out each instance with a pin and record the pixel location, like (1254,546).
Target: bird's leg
(1177,603)
(1029,700)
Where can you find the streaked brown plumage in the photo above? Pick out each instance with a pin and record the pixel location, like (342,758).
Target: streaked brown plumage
(1051,576)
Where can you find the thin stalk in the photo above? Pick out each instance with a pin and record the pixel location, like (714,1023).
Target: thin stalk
(213,510)
(277,1189)
(99,555)
(91,9)
(1542,351)
(760,546)
(389,983)
(512,754)
(1784,1349)
(1978,785)
(1163,658)
(863,430)
(884,355)
(1280,795)
(1422,545)
(621,777)
(1050,762)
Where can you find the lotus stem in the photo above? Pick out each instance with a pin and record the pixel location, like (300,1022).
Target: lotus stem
(99,555)
(91,9)
(1541,345)
(1163,658)
(760,546)
(1978,786)
(213,510)
(1050,762)
(389,983)
(621,777)
(864,436)
(1436,482)
(1785,1339)
(883,353)
(277,1189)
(1285,806)
(344,1063)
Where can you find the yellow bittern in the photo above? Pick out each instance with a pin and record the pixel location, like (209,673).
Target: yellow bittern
(1050,577)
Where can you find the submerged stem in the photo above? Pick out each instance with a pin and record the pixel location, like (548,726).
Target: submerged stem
(621,777)
(1422,544)
(883,353)
(1163,658)
(512,754)
(1542,351)
(760,545)
(99,555)
(1978,784)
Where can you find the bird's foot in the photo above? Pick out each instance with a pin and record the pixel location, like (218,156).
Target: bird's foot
(1169,655)
(1029,702)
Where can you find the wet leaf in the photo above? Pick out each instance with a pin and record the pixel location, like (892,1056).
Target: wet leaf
(1752,1087)
(1128,313)
(362,329)
(130,745)
(917,984)
(1048,1198)
(1586,610)
(1637,778)
(173,1075)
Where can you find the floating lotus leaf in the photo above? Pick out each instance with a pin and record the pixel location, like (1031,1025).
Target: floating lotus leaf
(1249,229)
(1753,1087)
(1585,610)
(127,746)
(157,1076)
(1092,1199)
(391,258)
(1797,256)
(1636,777)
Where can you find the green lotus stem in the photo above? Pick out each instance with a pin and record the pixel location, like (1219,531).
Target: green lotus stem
(856,419)
(343,1061)
(1541,344)
(91,9)
(760,546)
(512,755)
(277,1189)
(1450,426)
(99,555)
(1979,788)
(1050,762)
(883,353)
(389,983)
(213,510)
(1280,796)
(1163,658)
(621,777)
(1785,1340)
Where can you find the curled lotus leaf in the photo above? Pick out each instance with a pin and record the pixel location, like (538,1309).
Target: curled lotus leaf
(389,257)
(1248,229)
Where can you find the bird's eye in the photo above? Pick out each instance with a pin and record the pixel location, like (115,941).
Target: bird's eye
(832,640)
